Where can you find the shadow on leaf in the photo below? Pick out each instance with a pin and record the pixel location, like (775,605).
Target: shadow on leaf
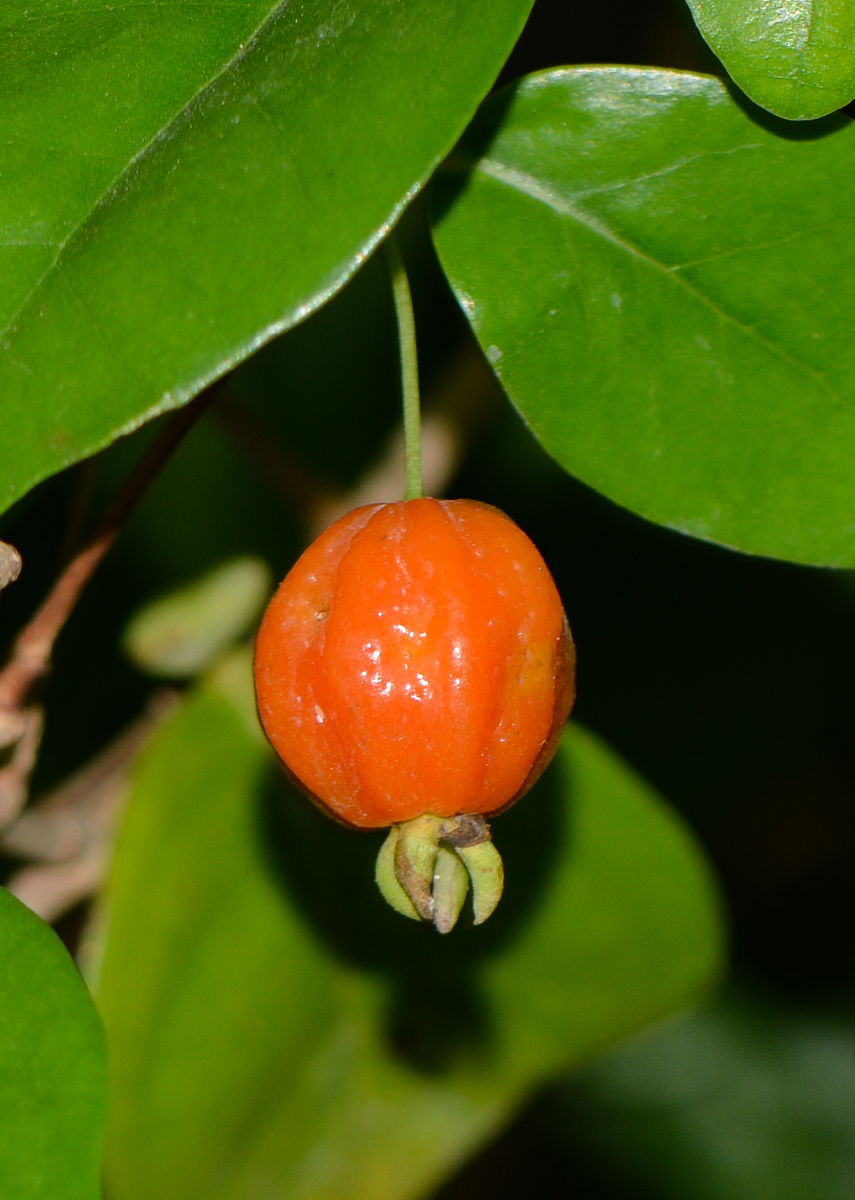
(455,173)
(327,871)
(792,131)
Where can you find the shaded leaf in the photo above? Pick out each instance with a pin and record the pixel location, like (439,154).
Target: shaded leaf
(181,634)
(665,287)
(795,57)
(180,183)
(52,1066)
(740,1101)
(276,1030)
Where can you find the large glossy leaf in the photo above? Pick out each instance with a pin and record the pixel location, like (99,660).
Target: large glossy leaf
(665,288)
(181,181)
(52,1066)
(276,1031)
(795,57)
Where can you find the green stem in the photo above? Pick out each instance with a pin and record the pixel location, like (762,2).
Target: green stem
(409,369)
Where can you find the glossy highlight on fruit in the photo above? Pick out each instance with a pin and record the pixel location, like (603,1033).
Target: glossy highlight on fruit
(415,660)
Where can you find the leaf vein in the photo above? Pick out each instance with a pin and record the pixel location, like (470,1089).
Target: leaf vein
(535,189)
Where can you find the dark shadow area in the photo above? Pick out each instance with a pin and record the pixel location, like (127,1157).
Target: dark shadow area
(453,177)
(651,33)
(791,131)
(330,410)
(328,871)
(785,851)
(529,1162)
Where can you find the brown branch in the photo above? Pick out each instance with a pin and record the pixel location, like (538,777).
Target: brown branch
(70,833)
(29,661)
(30,657)
(297,486)
(15,774)
(53,890)
(60,825)
(80,500)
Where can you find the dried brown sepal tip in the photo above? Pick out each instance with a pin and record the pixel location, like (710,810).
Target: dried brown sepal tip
(426,867)
(10,564)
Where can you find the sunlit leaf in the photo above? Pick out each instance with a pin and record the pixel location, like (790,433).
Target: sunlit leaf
(664,287)
(795,57)
(180,182)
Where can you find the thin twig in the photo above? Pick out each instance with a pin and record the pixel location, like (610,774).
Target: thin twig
(82,495)
(59,825)
(20,719)
(30,657)
(70,832)
(15,775)
(53,890)
(299,488)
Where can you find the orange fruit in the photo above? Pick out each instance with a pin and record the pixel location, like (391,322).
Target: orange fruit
(416,660)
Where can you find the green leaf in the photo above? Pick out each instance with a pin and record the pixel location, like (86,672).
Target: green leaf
(795,57)
(180,184)
(182,633)
(665,289)
(743,1100)
(52,1066)
(275,1028)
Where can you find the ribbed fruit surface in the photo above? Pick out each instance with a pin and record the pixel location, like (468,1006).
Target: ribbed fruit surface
(416,659)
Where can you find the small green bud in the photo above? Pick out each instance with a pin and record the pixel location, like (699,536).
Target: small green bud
(182,634)
(425,867)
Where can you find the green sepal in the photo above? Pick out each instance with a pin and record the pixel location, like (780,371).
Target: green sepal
(450,885)
(487,873)
(425,867)
(387,880)
(415,859)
